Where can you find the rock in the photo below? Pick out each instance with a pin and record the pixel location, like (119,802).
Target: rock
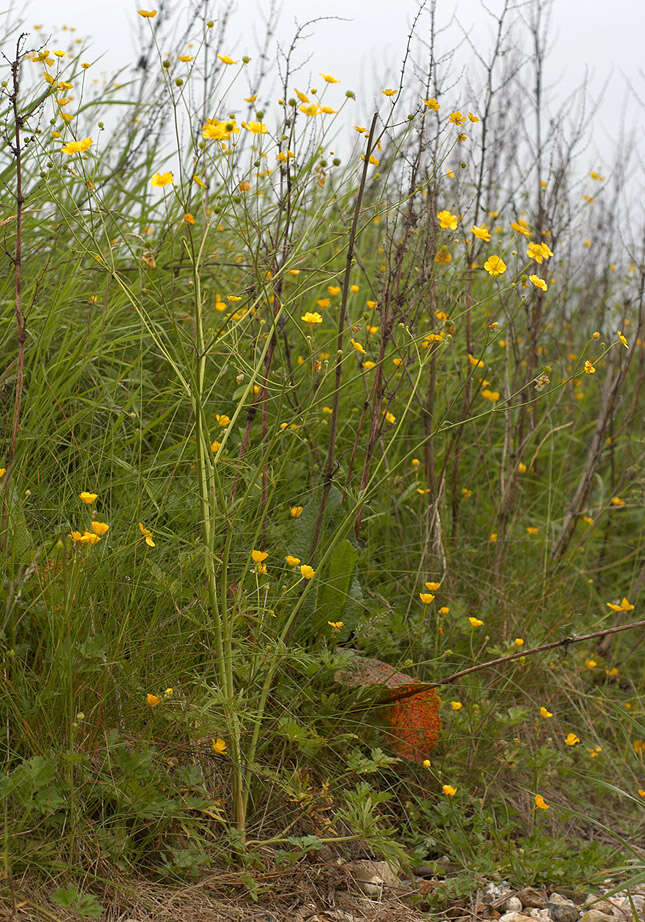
(532,898)
(494,893)
(371,876)
(594,915)
(541,914)
(558,900)
(608,906)
(515,917)
(563,912)
(513,904)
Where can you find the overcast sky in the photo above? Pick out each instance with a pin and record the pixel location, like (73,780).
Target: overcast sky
(606,39)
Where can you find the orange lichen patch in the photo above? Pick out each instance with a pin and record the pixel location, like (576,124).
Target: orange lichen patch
(414,720)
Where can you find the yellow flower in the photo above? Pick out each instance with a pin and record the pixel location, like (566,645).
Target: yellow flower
(390,417)
(432,104)
(426,597)
(544,713)
(538,282)
(336,625)
(456,705)
(329,79)
(147,14)
(447,220)
(625,605)
(443,256)
(617,501)
(88,498)
(372,305)
(162,179)
(258,556)
(310,109)
(589,368)
(611,672)
(323,302)
(521,227)
(389,92)
(571,739)
(292,561)
(519,641)
(457,118)
(184,58)
(540,802)
(215,446)
(426,764)
(169,692)
(444,610)
(333,290)
(532,530)
(590,663)
(493,537)
(477,363)
(147,534)
(307,571)
(3,471)
(539,252)
(449,790)
(487,394)
(641,792)
(295,512)
(222,420)
(255,127)
(495,265)
(311,317)
(76,147)
(358,347)
(472,118)
(482,233)
(152,700)
(475,622)
(368,365)
(224,58)
(622,339)
(217,130)
(100,528)
(219,746)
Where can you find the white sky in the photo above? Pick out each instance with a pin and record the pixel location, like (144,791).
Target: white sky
(605,38)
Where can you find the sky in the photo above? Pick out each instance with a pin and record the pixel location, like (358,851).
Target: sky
(368,44)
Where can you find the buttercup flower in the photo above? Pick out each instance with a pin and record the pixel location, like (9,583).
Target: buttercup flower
(76,147)
(389,92)
(426,597)
(100,528)
(292,561)
(224,58)
(152,700)
(475,622)
(538,282)
(159,180)
(295,512)
(88,498)
(258,556)
(307,571)
(495,265)
(540,803)
(539,252)
(329,79)
(311,317)
(545,713)
(456,705)
(219,746)
(571,739)
(482,233)
(449,790)
(147,14)
(147,534)
(447,221)
(432,104)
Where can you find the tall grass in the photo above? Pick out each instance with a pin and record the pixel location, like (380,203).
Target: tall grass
(303,384)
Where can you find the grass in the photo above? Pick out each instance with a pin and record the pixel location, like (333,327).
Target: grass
(247,356)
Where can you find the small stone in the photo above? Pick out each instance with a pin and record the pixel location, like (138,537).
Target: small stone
(564,911)
(514,917)
(513,904)
(594,915)
(372,876)
(531,898)
(541,914)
